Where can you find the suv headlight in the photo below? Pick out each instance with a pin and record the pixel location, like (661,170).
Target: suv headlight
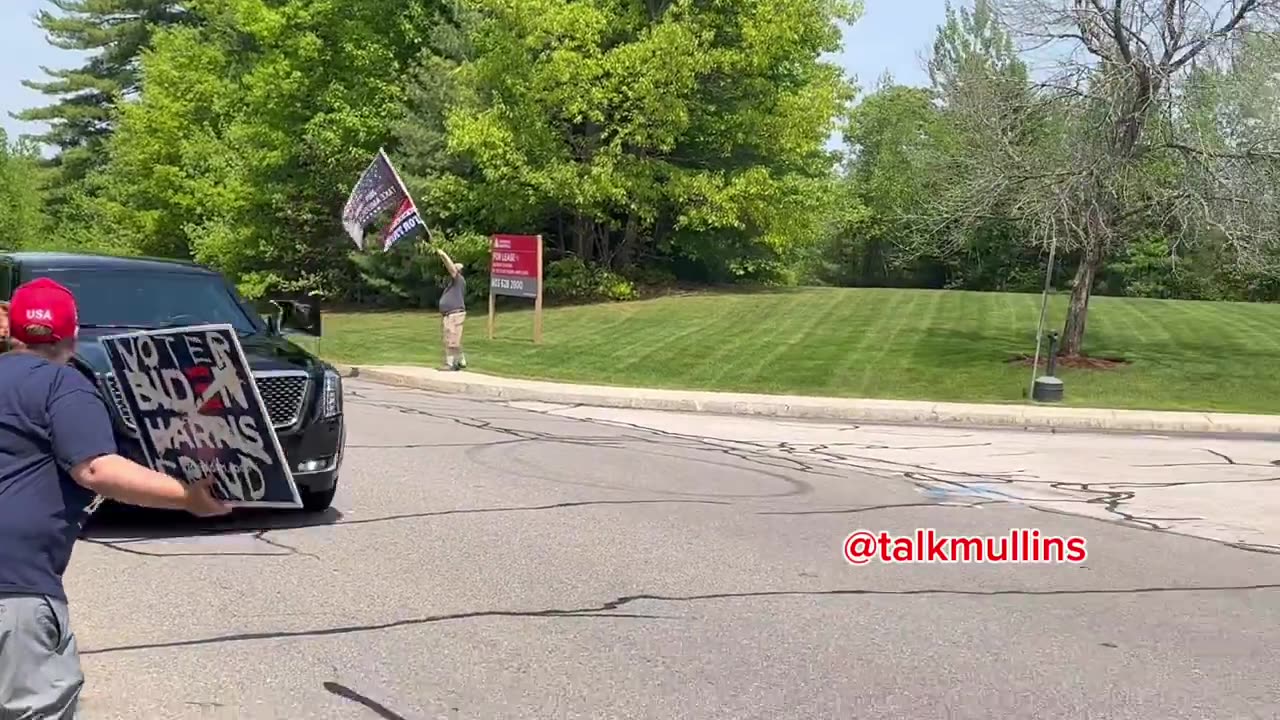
(331,397)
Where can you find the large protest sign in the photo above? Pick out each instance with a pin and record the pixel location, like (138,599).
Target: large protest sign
(199,413)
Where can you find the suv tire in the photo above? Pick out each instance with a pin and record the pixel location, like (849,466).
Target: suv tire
(319,501)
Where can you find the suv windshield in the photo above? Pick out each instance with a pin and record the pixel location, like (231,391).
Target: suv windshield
(142,299)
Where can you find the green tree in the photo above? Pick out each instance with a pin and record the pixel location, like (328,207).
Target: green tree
(114,33)
(1231,106)
(973,55)
(632,129)
(21,221)
(22,182)
(1121,161)
(891,135)
(972,44)
(249,133)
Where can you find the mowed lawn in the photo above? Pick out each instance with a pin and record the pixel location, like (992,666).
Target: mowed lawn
(869,343)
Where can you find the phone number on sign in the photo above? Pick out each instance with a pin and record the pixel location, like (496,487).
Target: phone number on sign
(507,284)
(928,546)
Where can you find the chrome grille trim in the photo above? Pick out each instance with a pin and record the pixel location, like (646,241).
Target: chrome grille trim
(284,393)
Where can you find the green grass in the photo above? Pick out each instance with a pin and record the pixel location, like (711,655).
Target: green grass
(869,343)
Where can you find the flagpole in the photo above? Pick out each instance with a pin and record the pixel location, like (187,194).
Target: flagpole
(405,190)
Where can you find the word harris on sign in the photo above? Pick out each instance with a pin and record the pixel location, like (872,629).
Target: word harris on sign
(198,412)
(514,267)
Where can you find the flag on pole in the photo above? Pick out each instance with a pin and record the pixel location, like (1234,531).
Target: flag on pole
(405,222)
(378,190)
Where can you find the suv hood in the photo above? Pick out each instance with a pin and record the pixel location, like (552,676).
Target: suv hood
(264,352)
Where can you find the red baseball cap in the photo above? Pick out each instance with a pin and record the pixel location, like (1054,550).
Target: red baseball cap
(42,311)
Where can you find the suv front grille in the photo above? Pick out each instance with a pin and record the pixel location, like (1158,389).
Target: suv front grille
(283,394)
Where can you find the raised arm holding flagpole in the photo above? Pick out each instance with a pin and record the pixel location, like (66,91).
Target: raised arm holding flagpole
(379,189)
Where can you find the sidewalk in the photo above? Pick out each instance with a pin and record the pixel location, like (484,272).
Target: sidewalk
(817,408)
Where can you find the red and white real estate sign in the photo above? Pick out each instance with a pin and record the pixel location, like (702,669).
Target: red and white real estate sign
(514,267)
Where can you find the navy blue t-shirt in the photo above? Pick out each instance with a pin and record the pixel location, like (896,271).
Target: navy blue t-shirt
(51,419)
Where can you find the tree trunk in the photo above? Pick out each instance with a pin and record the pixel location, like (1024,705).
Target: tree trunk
(1078,308)
(583,237)
(625,253)
(604,243)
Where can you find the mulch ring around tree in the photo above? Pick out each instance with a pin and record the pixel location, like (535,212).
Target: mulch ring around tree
(1075,362)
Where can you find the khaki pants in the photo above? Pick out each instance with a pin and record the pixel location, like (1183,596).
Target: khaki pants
(40,676)
(451,325)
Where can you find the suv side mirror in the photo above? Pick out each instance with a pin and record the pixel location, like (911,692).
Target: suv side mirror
(270,313)
(300,315)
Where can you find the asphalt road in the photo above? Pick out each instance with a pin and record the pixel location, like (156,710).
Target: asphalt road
(489,561)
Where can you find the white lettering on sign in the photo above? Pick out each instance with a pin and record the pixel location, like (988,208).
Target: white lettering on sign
(39,314)
(373,199)
(401,231)
(196,349)
(152,371)
(509,285)
(527,244)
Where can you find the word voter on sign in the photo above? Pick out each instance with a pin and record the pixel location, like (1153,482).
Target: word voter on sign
(199,413)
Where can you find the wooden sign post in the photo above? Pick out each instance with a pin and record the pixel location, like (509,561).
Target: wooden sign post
(515,269)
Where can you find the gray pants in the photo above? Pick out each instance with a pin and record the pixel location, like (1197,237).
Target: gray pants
(40,676)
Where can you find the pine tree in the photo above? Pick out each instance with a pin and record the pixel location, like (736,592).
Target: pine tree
(972,44)
(116,32)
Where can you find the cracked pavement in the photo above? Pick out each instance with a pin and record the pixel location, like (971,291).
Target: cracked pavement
(1224,489)
(523,560)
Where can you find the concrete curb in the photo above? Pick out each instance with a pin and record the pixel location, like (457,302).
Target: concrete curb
(817,408)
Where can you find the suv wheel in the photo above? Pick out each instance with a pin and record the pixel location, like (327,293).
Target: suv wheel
(319,501)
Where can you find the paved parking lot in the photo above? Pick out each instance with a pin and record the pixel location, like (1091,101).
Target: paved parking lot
(490,561)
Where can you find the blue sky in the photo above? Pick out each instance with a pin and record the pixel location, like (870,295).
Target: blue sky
(889,36)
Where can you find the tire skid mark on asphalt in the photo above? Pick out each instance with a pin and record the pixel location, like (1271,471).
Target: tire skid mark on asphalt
(812,458)
(825,459)
(796,487)
(619,442)
(935,481)
(608,609)
(121,544)
(931,480)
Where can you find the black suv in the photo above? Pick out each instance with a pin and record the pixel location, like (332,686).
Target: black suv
(302,393)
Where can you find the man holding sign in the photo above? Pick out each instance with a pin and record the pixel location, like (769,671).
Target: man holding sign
(57,450)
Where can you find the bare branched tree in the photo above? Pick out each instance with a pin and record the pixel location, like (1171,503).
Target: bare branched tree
(1115,131)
